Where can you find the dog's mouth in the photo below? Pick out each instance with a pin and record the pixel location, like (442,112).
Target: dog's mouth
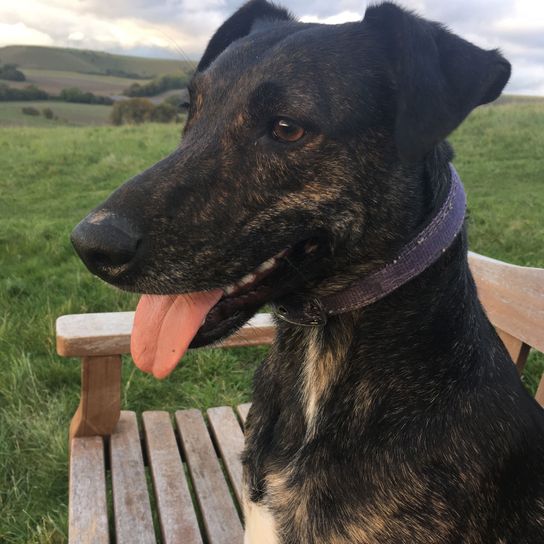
(165,326)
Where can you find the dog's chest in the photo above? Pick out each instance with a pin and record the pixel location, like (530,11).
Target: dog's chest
(260,524)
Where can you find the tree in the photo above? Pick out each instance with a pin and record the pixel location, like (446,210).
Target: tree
(74,94)
(10,72)
(164,113)
(132,111)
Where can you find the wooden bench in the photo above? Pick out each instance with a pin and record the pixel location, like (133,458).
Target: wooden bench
(187,477)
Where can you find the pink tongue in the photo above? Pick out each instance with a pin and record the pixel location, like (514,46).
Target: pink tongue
(164,327)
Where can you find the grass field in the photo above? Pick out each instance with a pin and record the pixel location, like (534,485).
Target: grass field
(67,114)
(86,61)
(52,177)
(54,81)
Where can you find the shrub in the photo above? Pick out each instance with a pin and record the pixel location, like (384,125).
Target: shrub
(10,72)
(29,110)
(30,92)
(164,113)
(158,86)
(48,113)
(74,94)
(141,110)
(132,111)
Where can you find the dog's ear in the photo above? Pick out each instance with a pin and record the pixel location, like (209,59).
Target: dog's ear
(438,76)
(239,25)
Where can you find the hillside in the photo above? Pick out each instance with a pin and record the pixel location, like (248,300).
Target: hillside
(89,62)
(53,81)
(52,177)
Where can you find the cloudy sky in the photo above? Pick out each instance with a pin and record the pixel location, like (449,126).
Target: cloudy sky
(181,28)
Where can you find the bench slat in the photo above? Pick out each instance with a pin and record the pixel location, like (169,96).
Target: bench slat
(175,507)
(220,516)
(133,520)
(230,441)
(88,510)
(243,410)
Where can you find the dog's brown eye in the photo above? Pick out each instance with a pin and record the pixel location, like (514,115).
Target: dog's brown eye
(287,131)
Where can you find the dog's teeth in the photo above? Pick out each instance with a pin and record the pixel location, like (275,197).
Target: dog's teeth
(267,265)
(249,278)
(203,321)
(230,289)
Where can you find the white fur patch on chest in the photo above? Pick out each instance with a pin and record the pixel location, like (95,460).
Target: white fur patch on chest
(318,374)
(260,524)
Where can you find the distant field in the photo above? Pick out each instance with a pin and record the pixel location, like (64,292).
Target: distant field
(85,61)
(518,99)
(67,113)
(53,81)
(52,177)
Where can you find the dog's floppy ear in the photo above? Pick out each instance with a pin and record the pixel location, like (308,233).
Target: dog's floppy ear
(438,76)
(240,25)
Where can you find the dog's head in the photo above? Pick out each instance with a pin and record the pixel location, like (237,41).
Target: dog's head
(302,160)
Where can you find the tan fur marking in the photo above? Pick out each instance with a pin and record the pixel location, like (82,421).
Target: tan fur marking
(319,373)
(260,526)
(239,120)
(97,217)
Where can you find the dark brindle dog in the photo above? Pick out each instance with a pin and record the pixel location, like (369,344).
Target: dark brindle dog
(312,156)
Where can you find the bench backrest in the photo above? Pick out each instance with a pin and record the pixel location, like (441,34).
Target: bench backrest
(513,297)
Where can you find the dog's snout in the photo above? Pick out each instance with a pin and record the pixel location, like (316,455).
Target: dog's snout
(106,243)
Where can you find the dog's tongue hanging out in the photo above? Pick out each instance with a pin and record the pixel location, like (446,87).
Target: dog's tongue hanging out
(164,327)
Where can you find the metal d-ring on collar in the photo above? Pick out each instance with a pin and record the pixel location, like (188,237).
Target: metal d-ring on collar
(416,256)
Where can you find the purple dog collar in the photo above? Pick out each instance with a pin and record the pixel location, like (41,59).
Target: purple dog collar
(416,256)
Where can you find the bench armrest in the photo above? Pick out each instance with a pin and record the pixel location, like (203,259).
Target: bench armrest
(100,340)
(92,335)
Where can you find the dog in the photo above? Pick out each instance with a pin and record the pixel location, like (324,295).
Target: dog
(313,159)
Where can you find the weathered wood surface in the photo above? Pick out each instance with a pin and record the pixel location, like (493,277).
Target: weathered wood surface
(133,520)
(513,297)
(176,509)
(221,521)
(100,401)
(243,410)
(81,335)
(230,440)
(88,511)
(177,517)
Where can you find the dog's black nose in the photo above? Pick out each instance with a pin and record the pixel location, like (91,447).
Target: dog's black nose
(106,243)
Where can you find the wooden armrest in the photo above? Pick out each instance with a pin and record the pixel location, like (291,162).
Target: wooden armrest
(513,297)
(100,340)
(82,335)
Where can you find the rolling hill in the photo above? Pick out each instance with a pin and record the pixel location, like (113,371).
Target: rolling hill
(89,62)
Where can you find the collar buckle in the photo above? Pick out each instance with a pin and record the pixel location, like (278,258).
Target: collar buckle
(301,312)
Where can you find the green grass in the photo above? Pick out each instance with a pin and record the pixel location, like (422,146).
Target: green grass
(51,177)
(500,157)
(67,114)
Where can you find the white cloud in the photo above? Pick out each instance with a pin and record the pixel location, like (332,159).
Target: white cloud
(181,28)
(21,34)
(76,36)
(342,17)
